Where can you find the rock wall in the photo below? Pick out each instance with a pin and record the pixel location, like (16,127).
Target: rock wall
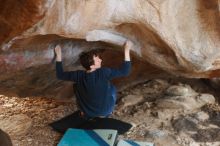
(176,36)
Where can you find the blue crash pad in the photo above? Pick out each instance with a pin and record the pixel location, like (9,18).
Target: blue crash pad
(80,137)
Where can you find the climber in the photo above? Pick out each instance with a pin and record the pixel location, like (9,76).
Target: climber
(96,96)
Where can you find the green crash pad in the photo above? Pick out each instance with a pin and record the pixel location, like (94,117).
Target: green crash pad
(80,137)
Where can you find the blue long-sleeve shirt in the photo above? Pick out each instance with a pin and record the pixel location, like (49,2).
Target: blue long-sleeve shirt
(94,90)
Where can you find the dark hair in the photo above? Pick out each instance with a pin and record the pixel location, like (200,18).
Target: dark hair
(86,58)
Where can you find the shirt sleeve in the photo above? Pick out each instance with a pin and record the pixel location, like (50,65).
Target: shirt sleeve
(68,75)
(124,70)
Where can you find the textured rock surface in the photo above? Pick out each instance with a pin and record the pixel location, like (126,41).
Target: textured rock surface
(16,125)
(164,127)
(176,36)
(185,34)
(179,37)
(184,97)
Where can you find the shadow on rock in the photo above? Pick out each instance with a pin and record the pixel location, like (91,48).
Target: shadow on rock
(4,139)
(207,135)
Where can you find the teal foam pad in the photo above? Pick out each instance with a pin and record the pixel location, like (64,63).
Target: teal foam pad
(133,143)
(80,137)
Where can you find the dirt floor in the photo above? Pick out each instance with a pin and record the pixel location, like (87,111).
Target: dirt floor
(26,119)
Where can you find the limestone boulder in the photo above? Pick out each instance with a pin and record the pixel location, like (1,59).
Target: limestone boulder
(16,125)
(184,97)
(178,37)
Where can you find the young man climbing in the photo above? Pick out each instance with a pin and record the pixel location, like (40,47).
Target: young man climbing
(96,96)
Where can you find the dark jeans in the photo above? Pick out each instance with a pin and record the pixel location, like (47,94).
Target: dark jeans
(75,120)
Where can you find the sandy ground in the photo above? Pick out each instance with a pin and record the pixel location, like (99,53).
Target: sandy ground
(26,119)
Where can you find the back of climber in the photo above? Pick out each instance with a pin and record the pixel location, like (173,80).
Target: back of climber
(94,93)
(96,96)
